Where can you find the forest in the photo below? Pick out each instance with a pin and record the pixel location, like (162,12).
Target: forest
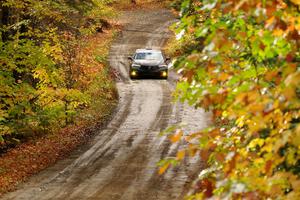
(46,78)
(240,60)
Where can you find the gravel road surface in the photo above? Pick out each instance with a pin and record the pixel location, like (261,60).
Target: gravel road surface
(120,162)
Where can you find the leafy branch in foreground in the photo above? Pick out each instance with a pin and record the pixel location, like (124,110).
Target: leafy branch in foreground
(240,60)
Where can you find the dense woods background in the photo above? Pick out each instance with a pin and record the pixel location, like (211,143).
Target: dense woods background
(240,60)
(47,77)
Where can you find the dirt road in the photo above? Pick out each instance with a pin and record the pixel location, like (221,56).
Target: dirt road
(120,162)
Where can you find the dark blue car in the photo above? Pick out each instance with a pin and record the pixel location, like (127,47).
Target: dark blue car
(148,63)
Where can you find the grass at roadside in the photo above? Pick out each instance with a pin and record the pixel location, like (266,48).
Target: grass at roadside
(36,154)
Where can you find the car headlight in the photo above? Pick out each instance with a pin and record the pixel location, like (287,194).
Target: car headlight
(135,65)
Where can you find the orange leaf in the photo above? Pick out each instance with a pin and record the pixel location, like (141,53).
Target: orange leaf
(204,154)
(163,168)
(223,76)
(270,21)
(192,150)
(268,166)
(175,138)
(220,157)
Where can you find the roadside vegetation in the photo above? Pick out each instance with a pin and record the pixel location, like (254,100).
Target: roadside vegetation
(49,76)
(37,150)
(56,88)
(240,61)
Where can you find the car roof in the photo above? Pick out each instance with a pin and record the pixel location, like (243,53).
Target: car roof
(148,50)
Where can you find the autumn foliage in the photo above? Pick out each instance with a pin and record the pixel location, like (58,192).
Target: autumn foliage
(48,74)
(240,60)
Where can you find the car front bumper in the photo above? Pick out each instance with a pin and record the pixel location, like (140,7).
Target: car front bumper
(161,72)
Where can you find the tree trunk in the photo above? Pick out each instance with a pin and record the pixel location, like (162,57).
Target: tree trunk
(4,20)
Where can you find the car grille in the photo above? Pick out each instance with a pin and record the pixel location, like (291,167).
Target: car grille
(149,68)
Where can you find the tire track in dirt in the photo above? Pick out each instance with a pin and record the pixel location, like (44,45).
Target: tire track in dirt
(136,163)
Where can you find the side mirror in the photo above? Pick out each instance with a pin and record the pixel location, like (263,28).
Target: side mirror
(130,58)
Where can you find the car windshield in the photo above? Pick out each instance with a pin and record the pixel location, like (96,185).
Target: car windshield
(148,56)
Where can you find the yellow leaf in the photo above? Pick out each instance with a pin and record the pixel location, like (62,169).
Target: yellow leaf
(296,137)
(256,123)
(276,104)
(243,152)
(180,155)
(256,142)
(289,93)
(240,98)
(241,121)
(278,32)
(268,148)
(291,157)
(259,161)
(297,2)
(256,107)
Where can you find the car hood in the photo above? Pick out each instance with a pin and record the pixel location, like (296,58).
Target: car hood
(149,62)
